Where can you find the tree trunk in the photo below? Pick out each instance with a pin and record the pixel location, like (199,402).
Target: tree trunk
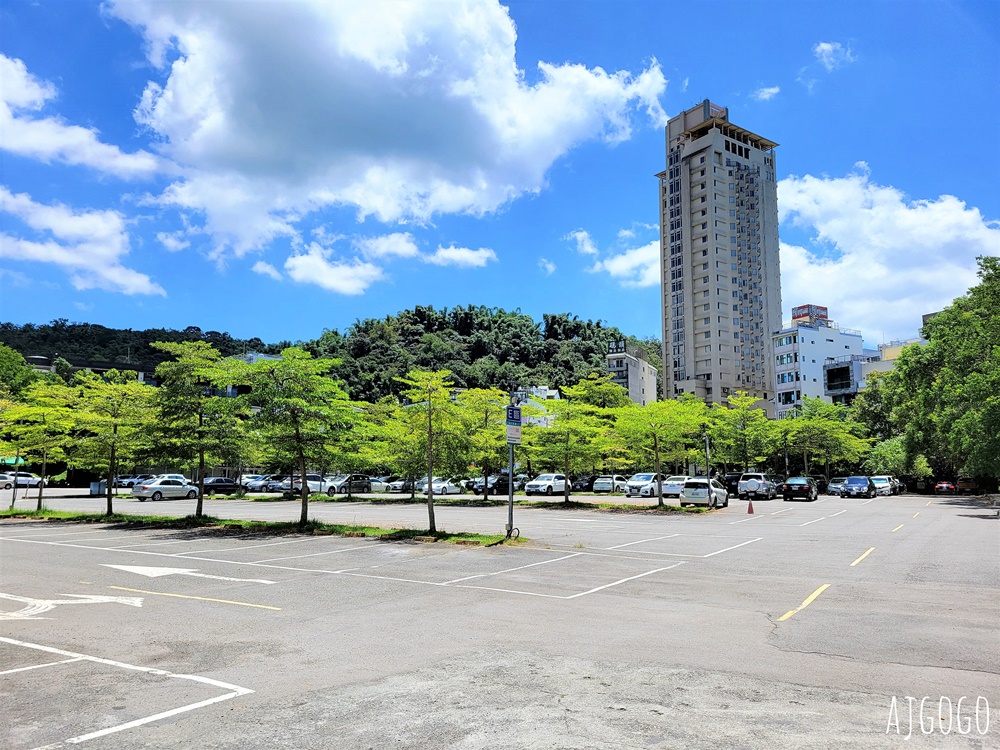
(805,464)
(111,475)
(566,470)
(13,490)
(41,483)
(656,468)
(431,527)
(201,467)
(304,517)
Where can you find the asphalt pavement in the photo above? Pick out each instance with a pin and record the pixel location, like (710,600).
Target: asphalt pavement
(805,625)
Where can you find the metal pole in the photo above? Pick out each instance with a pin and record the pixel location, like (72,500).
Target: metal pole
(708,459)
(510,491)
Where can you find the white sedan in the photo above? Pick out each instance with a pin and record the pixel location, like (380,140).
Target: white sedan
(672,487)
(161,487)
(610,483)
(701,491)
(445,486)
(546,484)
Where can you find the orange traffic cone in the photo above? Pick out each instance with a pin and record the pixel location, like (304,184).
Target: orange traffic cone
(750,507)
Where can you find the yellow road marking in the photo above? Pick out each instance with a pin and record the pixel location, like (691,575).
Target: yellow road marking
(916,514)
(929,502)
(199,598)
(809,600)
(870,550)
(898,527)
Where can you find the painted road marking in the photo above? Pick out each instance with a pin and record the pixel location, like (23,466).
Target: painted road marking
(929,502)
(234,690)
(898,528)
(199,598)
(623,580)
(511,570)
(870,550)
(780,511)
(809,600)
(41,666)
(642,541)
(317,554)
(38,606)
(916,514)
(159,572)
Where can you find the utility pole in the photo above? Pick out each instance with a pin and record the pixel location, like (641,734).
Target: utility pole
(513,438)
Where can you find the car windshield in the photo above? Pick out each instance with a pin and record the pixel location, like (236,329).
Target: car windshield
(545,477)
(695,484)
(880,480)
(838,479)
(676,479)
(643,478)
(797,480)
(857,480)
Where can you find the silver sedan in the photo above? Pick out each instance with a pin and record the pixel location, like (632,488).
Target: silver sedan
(157,489)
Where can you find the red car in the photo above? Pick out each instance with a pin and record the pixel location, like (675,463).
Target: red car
(944,488)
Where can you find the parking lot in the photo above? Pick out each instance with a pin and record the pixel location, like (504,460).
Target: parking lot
(792,627)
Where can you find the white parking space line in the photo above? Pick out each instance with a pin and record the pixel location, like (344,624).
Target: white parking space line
(251,546)
(834,515)
(749,518)
(234,690)
(508,591)
(785,510)
(510,570)
(642,541)
(41,666)
(152,544)
(317,554)
(623,580)
(741,544)
(815,520)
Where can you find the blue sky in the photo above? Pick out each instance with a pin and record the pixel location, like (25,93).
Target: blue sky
(273,169)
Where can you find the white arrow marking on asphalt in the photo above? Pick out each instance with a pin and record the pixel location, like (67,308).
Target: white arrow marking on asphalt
(157,572)
(38,606)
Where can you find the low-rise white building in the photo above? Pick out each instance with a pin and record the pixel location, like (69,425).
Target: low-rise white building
(631,370)
(800,352)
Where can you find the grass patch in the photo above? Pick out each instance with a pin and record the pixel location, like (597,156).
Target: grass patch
(229,525)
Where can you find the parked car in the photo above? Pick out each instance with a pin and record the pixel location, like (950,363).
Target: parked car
(520,482)
(259,484)
(702,491)
(275,482)
(858,487)
(835,485)
(671,486)
(245,479)
(944,487)
(966,484)
(584,483)
(757,485)
(821,483)
(636,482)
(26,479)
(221,486)
(179,477)
(161,487)
(806,488)
(497,484)
(348,483)
(400,484)
(316,483)
(610,483)
(883,485)
(731,482)
(381,484)
(6,481)
(123,481)
(546,484)
(445,486)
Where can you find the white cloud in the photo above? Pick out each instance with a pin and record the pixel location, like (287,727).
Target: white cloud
(398,244)
(400,110)
(878,259)
(174,242)
(462,257)
(266,269)
(635,267)
(584,242)
(316,267)
(684,84)
(547,266)
(765,94)
(89,245)
(50,139)
(833,55)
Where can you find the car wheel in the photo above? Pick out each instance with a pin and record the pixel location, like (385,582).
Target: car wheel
(548,490)
(192,494)
(368,487)
(156,496)
(7,486)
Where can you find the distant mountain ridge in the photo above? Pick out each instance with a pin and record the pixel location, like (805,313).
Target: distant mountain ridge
(483,347)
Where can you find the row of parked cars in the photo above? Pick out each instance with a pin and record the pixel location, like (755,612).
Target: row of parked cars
(12,479)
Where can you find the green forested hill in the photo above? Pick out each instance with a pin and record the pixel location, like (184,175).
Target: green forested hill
(482,346)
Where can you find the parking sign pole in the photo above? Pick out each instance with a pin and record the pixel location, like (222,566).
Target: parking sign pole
(513,438)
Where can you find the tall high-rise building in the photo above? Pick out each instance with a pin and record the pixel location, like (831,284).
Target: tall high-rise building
(719,257)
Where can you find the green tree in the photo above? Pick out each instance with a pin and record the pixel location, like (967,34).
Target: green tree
(889,457)
(741,434)
(42,424)
(569,442)
(659,428)
(113,413)
(185,402)
(824,432)
(430,394)
(482,414)
(15,372)
(300,408)
(871,407)
(945,396)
